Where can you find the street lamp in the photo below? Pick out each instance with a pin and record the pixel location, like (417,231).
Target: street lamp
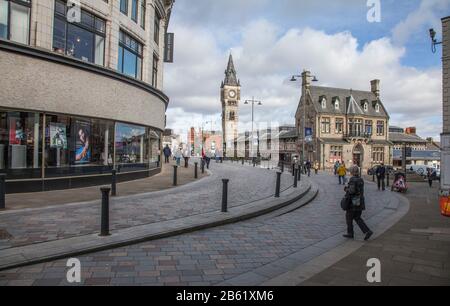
(253,101)
(294,79)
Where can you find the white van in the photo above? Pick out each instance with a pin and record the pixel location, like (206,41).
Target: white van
(419,169)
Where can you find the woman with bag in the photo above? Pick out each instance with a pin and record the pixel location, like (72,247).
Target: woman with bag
(354,204)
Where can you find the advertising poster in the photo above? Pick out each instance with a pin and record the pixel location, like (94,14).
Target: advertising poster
(82,143)
(58,136)
(16,131)
(308,135)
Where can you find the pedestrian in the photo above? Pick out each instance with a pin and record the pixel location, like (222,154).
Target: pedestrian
(354,204)
(337,164)
(178,155)
(167,153)
(431,175)
(308,167)
(381,175)
(208,158)
(316,167)
(342,172)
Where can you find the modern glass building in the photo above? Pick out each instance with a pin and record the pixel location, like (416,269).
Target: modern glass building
(81,91)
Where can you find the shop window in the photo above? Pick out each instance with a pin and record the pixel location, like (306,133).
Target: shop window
(132,146)
(155,145)
(84,40)
(77,146)
(15,20)
(20,144)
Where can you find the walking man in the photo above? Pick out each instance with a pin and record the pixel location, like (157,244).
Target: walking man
(308,168)
(354,204)
(381,174)
(167,152)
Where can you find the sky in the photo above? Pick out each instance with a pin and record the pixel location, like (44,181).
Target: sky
(271,40)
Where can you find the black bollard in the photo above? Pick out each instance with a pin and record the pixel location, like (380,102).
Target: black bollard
(225,195)
(387,181)
(282,167)
(293,169)
(175,168)
(2,190)
(203,166)
(186,162)
(277,188)
(243,161)
(114,183)
(196,170)
(299,174)
(104,231)
(295,178)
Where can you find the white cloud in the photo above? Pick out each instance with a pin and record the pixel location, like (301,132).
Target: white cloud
(426,15)
(265,58)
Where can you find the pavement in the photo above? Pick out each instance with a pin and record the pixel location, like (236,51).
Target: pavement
(161,181)
(36,235)
(259,251)
(414,252)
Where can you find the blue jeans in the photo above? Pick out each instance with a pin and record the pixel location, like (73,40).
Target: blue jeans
(342,180)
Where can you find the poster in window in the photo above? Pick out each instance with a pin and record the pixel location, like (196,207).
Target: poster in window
(16,131)
(308,134)
(58,136)
(82,142)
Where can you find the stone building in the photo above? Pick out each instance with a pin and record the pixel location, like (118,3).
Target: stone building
(230,97)
(81,90)
(345,125)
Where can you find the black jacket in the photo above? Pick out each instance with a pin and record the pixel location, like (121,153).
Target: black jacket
(381,172)
(355,189)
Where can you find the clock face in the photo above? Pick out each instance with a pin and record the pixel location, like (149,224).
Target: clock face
(232,94)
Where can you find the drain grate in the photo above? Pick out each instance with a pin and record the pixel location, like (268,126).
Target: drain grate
(4,234)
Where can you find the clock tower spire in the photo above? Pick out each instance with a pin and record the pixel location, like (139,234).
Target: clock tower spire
(230,96)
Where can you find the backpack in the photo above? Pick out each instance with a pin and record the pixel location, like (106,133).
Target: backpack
(354,191)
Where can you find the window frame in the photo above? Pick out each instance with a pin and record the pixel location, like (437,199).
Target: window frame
(142,13)
(134,13)
(381,128)
(25,3)
(155,70)
(126,7)
(157,27)
(138,54)
(92,30)
(339,125)
(325,125)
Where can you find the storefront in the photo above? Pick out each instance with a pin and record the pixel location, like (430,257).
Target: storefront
(41,151)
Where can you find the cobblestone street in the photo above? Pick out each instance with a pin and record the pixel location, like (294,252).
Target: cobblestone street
(233,254)
(247,184)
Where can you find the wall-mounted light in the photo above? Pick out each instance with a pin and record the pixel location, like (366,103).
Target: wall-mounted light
(434,41)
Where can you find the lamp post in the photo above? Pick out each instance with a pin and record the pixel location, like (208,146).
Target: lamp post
(259,103)
(294,79)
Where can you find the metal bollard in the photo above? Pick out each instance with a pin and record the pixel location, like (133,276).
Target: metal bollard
(277,188)
(387,181)
(295,178)
(225,195)
(299,174)
(196,170)
(186,162)
(293,169)
(175,168)
(243,161)
(114,183)
(282,167)
(104,231)
(2,190)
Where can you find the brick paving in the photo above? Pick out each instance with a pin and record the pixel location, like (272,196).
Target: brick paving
(247,184)
(212,256)
(414,252)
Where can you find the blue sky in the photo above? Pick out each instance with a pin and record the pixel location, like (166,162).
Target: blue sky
(272,39)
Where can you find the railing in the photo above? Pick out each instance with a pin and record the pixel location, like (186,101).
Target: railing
(358,135)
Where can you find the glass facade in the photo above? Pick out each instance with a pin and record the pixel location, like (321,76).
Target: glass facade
(72,146)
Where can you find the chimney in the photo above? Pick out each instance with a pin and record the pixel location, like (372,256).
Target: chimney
(375,87)
(410,130)
(306,79)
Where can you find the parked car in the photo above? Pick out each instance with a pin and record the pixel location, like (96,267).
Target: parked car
(389,170)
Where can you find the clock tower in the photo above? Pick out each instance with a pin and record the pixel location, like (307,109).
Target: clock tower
(230,96)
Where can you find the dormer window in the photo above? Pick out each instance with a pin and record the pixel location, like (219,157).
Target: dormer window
(366,106)
(324,103)
(377,108)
